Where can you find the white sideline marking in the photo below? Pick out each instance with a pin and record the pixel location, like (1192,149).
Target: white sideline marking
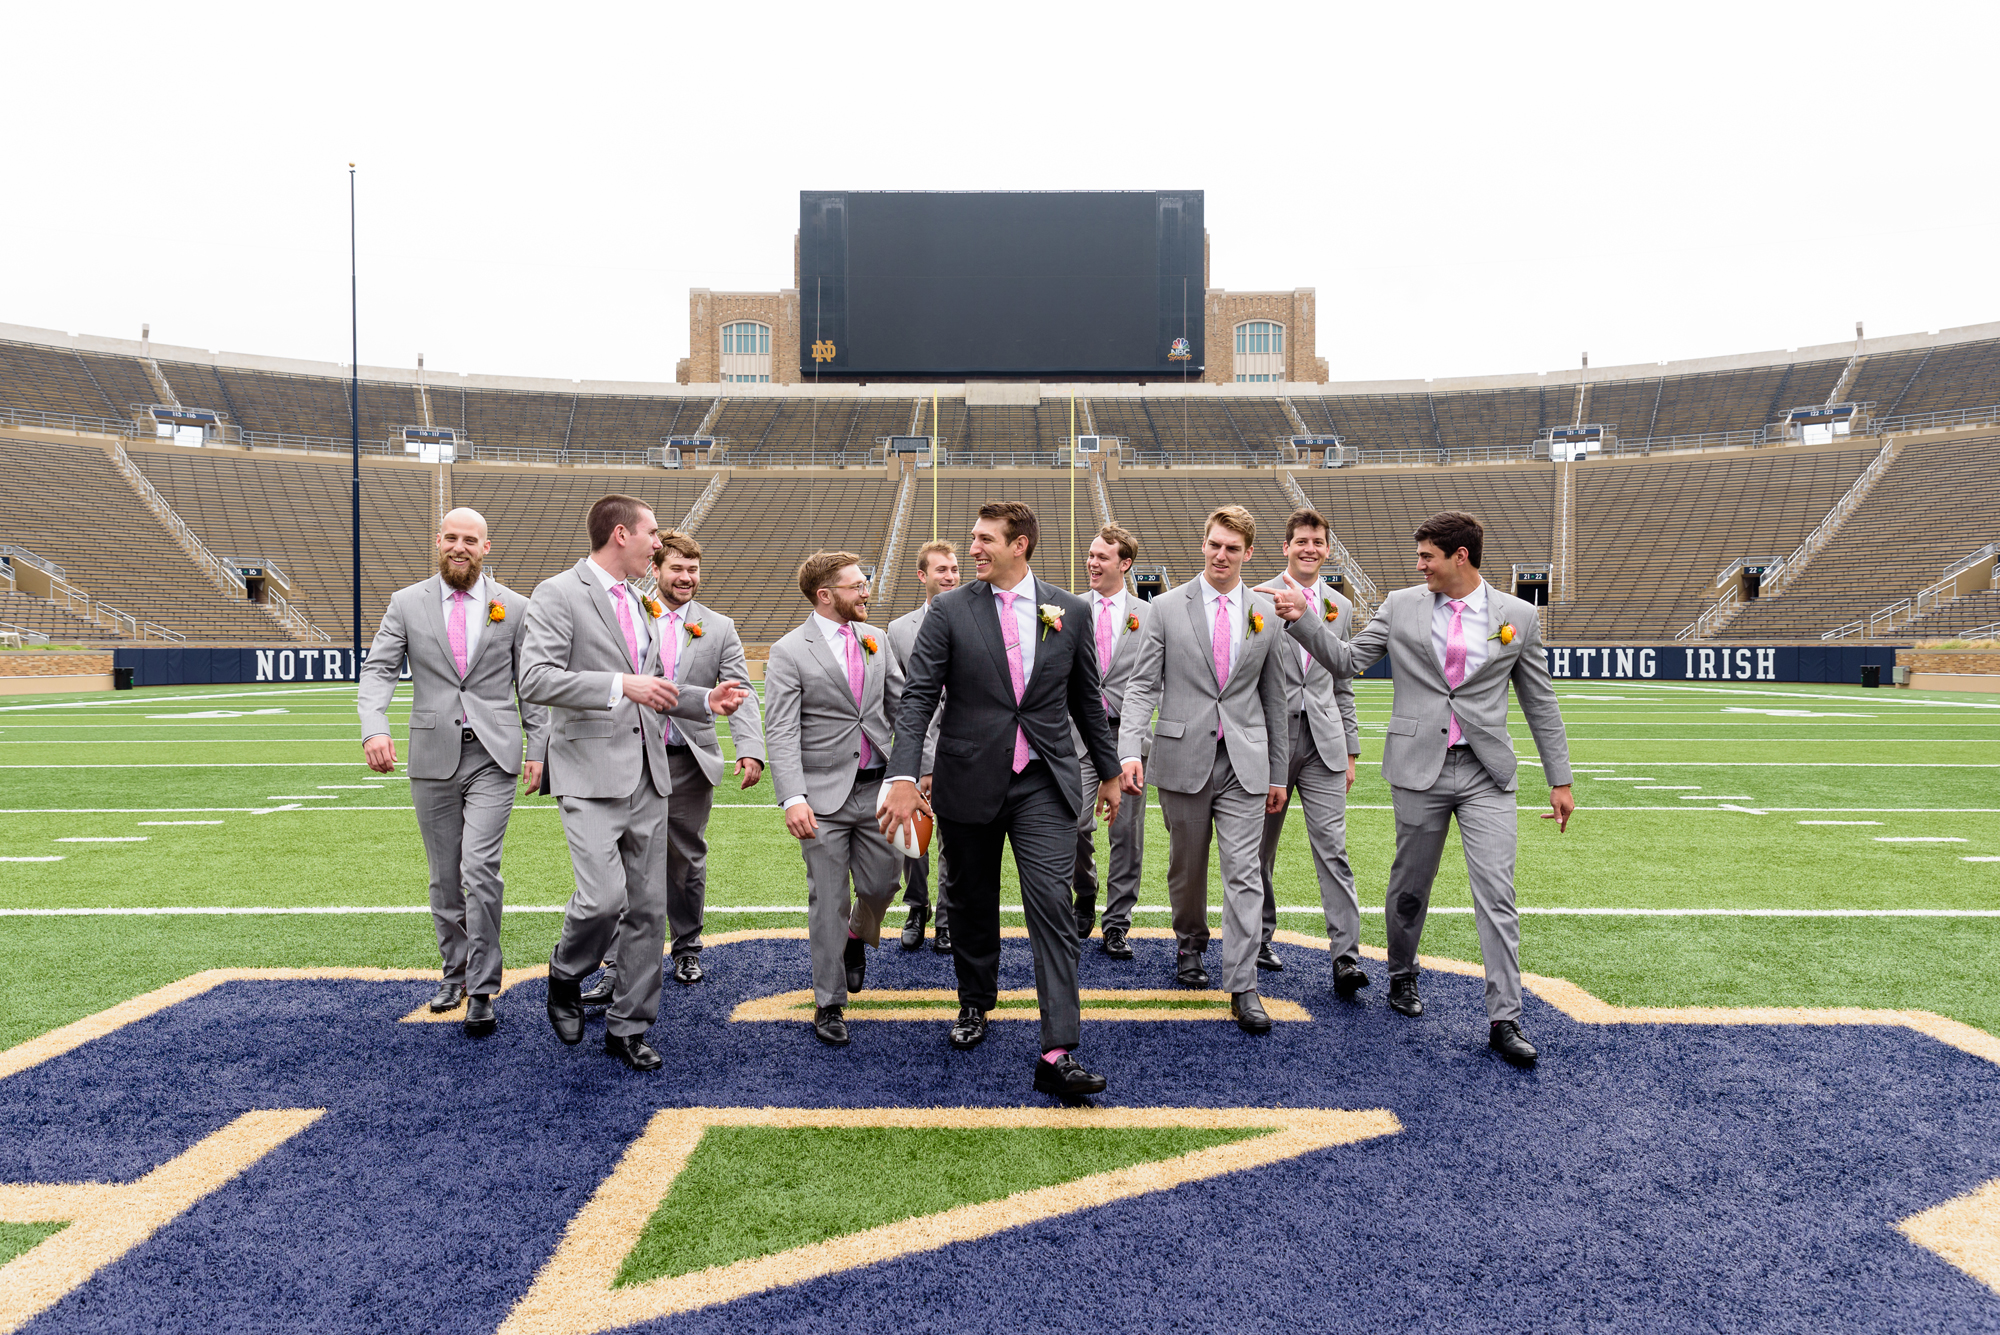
(105,839)
(180,822)
(149,701)
(1785,713)
(221,713)
(57,858)
(1666,788)
(1721,797)
(320,910)
(301,797)
(1840,822)
(1730,806)
(1918,839)
(1623,778)
(357,787)
(1979,859)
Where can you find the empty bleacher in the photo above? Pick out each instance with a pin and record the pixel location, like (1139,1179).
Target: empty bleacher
(1375,513)
(24,612)
(1650,535)
(1166,513)
(69,504)
(536,516)
(53,380)
(1975,611)
(757,534)
(1932,506)
(1946,379)
(959,496)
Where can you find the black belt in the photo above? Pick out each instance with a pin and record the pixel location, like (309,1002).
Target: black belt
(1112,719)
(1460,746)
(678,748)
(870,775)
(467,735)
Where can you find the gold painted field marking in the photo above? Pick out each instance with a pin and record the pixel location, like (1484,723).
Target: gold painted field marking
(107,1220)
(941,1003)
(574,1293)
(1965,1231)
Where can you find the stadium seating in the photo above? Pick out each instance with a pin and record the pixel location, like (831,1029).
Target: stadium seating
(536,516)
(1166,513)
(69,504)
(1949,378)
(756,536)
(1979,611)
(1933,505)
(24,612)
(1374,514)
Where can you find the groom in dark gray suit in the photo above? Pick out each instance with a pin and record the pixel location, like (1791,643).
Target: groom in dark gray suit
(1014,659)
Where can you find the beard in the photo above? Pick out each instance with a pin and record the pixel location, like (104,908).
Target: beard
(456,580)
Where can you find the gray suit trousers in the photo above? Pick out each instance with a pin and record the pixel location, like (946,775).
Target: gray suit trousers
(1128,853)
(1234,817)
(687,852)
(464,819)
(1486,826)
(848,847)
(1322,790)
(618,847)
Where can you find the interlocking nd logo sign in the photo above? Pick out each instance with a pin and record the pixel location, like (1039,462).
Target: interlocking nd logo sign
(823,350)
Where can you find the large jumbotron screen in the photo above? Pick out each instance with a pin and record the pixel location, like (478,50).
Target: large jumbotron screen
(1035,283)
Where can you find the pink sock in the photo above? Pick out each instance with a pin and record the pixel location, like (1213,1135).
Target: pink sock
(852,937)
(1053,1053)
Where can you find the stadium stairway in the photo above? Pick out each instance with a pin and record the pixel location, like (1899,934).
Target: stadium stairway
(25,612)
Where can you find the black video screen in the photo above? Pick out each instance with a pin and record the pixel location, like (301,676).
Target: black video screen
(1050,284)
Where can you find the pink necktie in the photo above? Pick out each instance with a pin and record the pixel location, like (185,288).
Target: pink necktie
(455,628)
(1218,647)
(1104,633)
(857,673)
(670,654)
(625,621)
(1010,635)
(1454,659)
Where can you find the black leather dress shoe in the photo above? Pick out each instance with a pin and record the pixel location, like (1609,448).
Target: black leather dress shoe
(1066,1079)
(968,1031)
(1086,920)
(479,1017)
(1505,1037)
(1247,1009)
(1347,978)
(1188,971)
(1403,998)
(687,969)
(633,1051)
(566,1010)
(941,942)
(1115,945)
(913,926)
(601,990)
(830,1026)
(1267,958)
(857,964)
(448,996)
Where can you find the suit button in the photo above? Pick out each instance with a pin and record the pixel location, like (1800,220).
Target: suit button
(635,730)
(1445,731)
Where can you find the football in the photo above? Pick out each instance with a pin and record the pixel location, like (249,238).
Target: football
(902,841)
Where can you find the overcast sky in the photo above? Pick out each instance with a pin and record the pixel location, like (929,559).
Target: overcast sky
(1472,189)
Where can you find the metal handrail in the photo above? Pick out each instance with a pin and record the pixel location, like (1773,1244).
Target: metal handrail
(27,636)
(124,622)
(13,553)
(1842,632)
(1366,594)
(1778,576)
(227,576)
(1965,563)
(1910,422)
(1719,612)
(71,422)
(159,632)
(1892,615)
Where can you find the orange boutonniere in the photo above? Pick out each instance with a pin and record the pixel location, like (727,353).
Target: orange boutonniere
(1505,634)
(495,611)
(1256,622)
(655,608)
(1132,621)
(1332,612)
(695,631)
(868,643)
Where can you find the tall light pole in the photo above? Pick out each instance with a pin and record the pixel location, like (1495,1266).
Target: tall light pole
(354,407)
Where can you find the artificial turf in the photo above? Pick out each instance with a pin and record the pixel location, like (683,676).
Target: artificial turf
(17,1238)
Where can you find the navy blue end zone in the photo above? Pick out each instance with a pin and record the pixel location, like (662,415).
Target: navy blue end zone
(1643,1178)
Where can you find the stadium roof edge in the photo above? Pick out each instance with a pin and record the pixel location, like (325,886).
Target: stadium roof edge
(668,389)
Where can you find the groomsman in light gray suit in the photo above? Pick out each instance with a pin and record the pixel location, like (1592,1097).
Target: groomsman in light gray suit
(1325,740)
(1116,618)
(700,650)
(462,631)
(937,571)
(830,696)
(1212,659)
(1456,643)
(592,659)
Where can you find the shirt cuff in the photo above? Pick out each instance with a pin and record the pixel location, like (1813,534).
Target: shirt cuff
(899,778)
(791,802)
(373,735)
(1131,760)
(617,689)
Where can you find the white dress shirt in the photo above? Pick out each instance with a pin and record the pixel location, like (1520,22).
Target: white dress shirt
(1238,617)
(673,622)
(476,599)
(1471,622)
(832,632)
(1028,618)
(640,622)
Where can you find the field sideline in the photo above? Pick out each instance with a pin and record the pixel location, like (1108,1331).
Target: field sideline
(1734,846)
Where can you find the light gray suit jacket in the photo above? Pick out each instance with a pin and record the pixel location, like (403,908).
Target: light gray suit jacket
(1174,670)
(485,699)
(903,638)
(1124,654)
(1413,752)
(811,723)
(574,647)
(1328,700)
(702,663)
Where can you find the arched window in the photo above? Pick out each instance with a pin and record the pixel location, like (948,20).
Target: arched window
(746,353)
(1260,351)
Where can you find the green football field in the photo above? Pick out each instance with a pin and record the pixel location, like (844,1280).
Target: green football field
(1779,845)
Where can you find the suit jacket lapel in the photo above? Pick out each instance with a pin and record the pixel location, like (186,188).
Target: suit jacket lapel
(1417,627)
(1197,603)
(683,639)
(433,596)
(986,615)
(830,650)
(600,595)
(1497,613)
(487,632)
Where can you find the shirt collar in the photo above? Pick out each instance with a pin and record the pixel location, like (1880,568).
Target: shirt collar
(610,582)
(1117,599)
(1209,593)
(1027,582)
(1474,601)
(829,628)
(478,588)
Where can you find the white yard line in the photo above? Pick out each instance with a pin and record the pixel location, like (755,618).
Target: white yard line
(57,858)
(105,839)
(150,700)
(1919,839)
(180,822)
(1840,822)
(1666,788)
(302,797)
(1979,859)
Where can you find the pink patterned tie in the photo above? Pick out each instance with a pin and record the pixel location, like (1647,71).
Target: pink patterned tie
(1104,633)
(625,621)
(1010,635)
(1454,659)
(670,655)
(1218,648)
(455,628)
(857,673)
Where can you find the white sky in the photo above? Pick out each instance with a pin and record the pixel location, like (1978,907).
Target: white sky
(1471,188)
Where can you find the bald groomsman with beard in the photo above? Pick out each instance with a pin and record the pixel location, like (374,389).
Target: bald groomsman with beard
(462,630)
